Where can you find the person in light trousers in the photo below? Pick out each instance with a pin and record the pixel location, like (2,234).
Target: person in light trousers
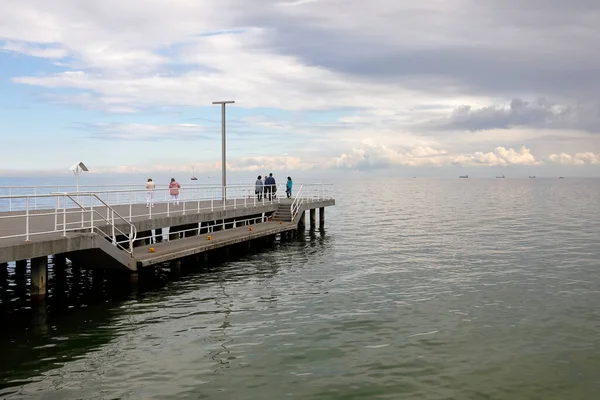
(174,187)
(150,186)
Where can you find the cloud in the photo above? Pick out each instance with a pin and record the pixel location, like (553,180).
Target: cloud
(499,157)
(119,131)
(379,157)
(260,165)
(41,51)
(372,156)
(520,113)
(575,159)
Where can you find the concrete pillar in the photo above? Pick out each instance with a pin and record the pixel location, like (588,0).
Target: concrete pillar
(3,277)
(39,274)
(322,217)
(158,235)
(302,220)
(20,279)
(313,218)
(59,260)
(21,267)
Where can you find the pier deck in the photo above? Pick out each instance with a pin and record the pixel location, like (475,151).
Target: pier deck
(94,232)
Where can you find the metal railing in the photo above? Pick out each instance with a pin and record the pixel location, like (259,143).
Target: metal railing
(69,214)
(205,197)
(310,193)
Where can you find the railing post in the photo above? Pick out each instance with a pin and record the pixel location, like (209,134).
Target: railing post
(168,207)
(64,215)
(9,199)
(212,204)
(27,219)
(130,201)
(92,215)
(183,203)
(234,202)
(114,237)
(131,240)
(82,216)
(56,214)
(35,199)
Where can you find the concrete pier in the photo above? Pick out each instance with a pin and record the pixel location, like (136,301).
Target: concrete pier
(313,218)
(39,275)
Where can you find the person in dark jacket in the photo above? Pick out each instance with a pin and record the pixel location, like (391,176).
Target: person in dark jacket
(258,188)
(270,187)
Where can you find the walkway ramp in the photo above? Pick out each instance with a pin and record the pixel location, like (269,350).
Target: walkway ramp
(172,250)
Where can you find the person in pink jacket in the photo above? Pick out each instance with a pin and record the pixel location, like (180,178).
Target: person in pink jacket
(174,187)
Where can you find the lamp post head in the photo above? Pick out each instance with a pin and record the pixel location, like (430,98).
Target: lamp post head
(224,102)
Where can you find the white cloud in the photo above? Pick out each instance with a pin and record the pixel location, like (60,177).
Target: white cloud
(499,157)
(260,165)
(35,50)
(575,159)
(119,131)
(380,156)
(371,156)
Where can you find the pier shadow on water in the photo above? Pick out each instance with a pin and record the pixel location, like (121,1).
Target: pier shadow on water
(81,311)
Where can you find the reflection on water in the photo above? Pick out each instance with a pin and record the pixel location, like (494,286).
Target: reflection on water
(431,289)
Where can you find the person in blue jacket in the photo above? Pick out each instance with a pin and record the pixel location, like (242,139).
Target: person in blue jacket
(288,187)
(270,187)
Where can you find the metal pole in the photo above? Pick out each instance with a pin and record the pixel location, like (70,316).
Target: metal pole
(223,149)
(223,154)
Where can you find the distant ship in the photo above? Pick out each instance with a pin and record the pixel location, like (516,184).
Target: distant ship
(501,176)
(561,177)
(464,176)
(532,177)
(193,178)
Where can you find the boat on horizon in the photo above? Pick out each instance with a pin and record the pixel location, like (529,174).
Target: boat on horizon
(561,177)
(532,177)
(501,176)
(464,176)
(193,178)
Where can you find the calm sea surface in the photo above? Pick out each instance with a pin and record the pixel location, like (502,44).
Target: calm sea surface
(417,289)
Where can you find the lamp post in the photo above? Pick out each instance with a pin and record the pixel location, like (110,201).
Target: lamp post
(223,155)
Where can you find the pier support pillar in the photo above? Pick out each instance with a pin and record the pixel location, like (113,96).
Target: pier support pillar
(313,218)
(3,277)
(158,235)
(59,260)
(322,217)
(21,267)
(20,279)
(302,220)
(39,273)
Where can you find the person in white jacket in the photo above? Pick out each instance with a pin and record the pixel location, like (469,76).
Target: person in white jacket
(150,186)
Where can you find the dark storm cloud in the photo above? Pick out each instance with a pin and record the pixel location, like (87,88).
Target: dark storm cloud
(492,48)
(520,113)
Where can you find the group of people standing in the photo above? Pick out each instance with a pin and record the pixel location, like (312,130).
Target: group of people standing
(268,187)
(174,187)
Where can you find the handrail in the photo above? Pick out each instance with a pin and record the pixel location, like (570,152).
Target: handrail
(132,229)
(295,207)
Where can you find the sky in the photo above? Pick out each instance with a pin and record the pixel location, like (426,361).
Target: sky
(387,87)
